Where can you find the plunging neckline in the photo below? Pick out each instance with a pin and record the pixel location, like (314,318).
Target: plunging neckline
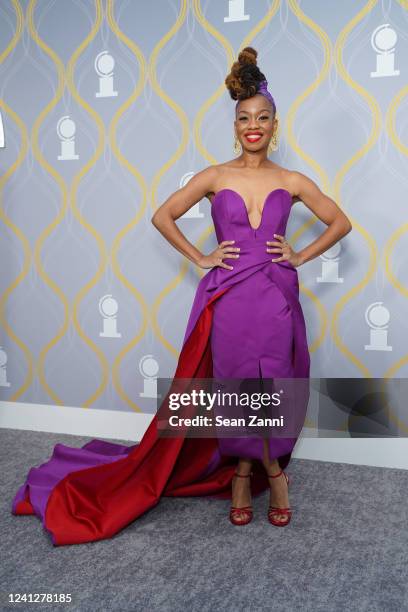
(255,229)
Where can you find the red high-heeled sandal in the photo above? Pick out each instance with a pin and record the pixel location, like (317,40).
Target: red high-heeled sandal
(274,510)
(236,513)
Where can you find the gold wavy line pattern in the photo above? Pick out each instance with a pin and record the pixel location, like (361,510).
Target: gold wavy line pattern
(65,83)
(172,161)
(290,123)
(339,179)
(65,79)
(390,124)
(139,215)
(17,32)
(199,118)
(220,91)
(63,190)
(26,248)
(4,178)
(76,212)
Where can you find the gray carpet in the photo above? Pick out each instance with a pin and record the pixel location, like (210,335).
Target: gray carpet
(346,547)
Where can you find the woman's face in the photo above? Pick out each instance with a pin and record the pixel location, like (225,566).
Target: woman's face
(255,115)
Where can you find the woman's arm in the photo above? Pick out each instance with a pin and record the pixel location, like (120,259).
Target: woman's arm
(177,204)
(325,209)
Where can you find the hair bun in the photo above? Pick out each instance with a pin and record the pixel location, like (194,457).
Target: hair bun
(248,55)
(245,76)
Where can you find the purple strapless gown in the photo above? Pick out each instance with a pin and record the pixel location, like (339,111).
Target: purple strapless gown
(258,328)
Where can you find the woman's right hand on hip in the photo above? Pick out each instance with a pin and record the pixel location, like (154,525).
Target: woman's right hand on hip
(223,251)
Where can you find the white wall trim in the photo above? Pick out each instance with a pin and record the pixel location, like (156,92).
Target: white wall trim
(116,424)
(130,426)
(379,452)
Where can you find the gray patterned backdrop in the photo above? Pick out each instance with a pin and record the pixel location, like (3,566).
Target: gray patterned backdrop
(110,106)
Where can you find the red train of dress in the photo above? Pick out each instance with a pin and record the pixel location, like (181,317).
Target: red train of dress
(96,502)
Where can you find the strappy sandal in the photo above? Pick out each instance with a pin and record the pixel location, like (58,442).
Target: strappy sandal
(236,513)
(274,511)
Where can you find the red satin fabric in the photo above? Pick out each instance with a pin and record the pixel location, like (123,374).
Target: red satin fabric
(97,502)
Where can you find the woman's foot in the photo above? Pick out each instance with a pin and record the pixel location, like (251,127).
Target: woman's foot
(241,508)
(279,511)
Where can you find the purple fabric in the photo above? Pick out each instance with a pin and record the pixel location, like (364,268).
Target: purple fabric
(41,480)
(231,222)
(263,90)
(258,324)
(248,342)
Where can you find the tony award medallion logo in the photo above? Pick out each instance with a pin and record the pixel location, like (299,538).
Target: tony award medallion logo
(108,308)
(104,65)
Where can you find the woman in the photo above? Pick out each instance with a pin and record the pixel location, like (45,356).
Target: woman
(246,321)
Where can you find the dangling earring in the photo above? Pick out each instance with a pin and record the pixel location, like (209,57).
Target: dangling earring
(273,144)
(237,146)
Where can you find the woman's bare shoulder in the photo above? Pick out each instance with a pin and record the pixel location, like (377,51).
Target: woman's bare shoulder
(215,174)
(291,179)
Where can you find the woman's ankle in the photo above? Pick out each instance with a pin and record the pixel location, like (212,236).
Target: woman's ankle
(273,468)
(244,467)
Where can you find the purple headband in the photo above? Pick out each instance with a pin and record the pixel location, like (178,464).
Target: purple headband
(263,90)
